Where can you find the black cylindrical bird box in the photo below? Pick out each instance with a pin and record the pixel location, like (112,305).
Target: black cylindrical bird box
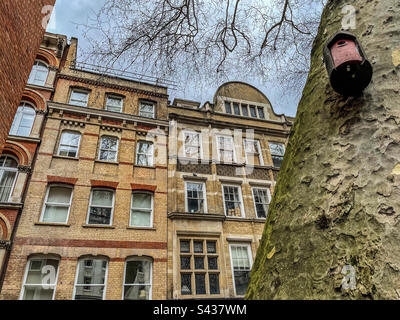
(348,68)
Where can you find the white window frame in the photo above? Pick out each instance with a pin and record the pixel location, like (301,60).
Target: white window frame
(90,205)
(137,258)
(204,192)
(248,245)
(95,285)
(193,132)
(241,200)
(2,169)
(110,96)
(259,150)
(57,204)
(116,151)
(79,143)
(274,154)
(142,209)
(254,200)
(233,148)
(79,91)
(34,71)
(147,103)
(151,158)
(28,263)
(19,115)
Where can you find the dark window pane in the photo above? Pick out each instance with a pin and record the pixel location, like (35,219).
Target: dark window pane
(253,112)
(200,284)
(185,246)
(186,284)
(277,161)
(213,263)
(214,283)
(261,112)
(228,108)
(241,282)
(198,246)
(245,111)
(100,215)
(211,247)
(236,109)
(199,263)
(185,263)
(262,210)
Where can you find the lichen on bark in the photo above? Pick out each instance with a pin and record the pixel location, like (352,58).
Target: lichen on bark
(337,199)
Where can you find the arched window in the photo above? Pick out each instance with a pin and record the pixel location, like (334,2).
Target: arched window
(138,279)
(23,120)
(40,278)
(91,278)
(38,74)
(8,174)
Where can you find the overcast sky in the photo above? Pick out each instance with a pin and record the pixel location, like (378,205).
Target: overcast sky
(69,14)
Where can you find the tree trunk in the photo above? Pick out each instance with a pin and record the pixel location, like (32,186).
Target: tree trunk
(336,206)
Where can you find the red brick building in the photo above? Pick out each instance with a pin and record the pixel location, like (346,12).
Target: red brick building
(21,33)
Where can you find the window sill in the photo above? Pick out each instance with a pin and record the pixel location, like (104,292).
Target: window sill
(51,224)
(65,157)
(107,162)
(97,226)
(146,167)
(142,228)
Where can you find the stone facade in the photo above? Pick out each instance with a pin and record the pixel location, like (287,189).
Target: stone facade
(20,37)
(191,274)
(109,207)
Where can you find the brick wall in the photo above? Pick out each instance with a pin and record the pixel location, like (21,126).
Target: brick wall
(21,33)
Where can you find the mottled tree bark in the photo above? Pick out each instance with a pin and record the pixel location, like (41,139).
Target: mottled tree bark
(337,199)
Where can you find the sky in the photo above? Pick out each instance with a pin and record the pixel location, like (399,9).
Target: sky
(70,14)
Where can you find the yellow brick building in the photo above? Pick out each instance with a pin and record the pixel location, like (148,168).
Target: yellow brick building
(132,197)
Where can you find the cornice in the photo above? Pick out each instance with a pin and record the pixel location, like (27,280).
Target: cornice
(111,85)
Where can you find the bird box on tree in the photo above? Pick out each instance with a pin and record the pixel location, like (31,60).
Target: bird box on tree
(348,68)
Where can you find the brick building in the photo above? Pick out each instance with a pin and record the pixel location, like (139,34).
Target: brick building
(20,148)
(131,197)
(224,158)
(21,34)
(95,208)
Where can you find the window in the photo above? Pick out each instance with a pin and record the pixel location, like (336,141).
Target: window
(199,267)
(226,151)
(262,198)
(228,107)
(23,120)
(146,109)
(261,114)
(253,111)
(144,154)
(245,111)
(142,209)
(138,279)
(191,145)
(8,174)
(195,197)
(232,201)
(57,204)
(236,109)
(241,267)
(277,153)
(79,98)
(69,144)
(101,207)
(114,104)
(252,151)
(35,287)
(108,148)
(38,74)
(90,279)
